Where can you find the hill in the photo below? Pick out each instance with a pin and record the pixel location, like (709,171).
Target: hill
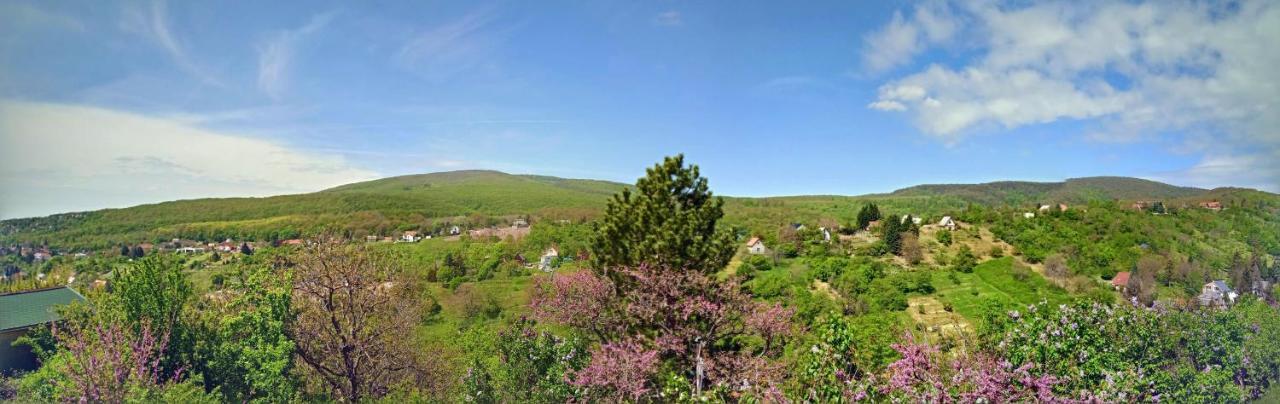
(382,206)
(1075,190)
(482,198)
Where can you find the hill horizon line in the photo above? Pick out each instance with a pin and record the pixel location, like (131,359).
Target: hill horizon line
(926,189)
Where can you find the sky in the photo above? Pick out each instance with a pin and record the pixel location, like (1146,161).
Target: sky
(113,104)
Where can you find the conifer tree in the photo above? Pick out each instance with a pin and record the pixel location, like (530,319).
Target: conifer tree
(669,221)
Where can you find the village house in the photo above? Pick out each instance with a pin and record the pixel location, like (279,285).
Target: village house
(520,223)
(42,255)
(227,246)
(756,246)
(410,237)
(1211,205)
(292,241)
(1043,207)
(23,311)
(873,224)
(947,223)
(372,238)
(191,250)
(1216,294)
(916,220)
(548,261)
(1062,207)
(1120,282)
(826,234)
(455,230)
(1028,215)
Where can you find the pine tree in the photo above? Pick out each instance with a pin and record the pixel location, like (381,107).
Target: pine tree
(669,221)
(124,251)
(891,234)
(138,252)
(244,249)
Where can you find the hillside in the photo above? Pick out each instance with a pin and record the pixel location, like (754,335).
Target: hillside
(481,198)
(380,205)
(1075,190)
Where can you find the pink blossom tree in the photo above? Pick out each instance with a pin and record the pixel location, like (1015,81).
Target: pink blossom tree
(105,359)
(715,335)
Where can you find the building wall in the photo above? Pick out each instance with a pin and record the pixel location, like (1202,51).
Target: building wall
(15,358)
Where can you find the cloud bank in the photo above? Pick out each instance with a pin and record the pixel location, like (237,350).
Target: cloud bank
(1201,75)
(60,158)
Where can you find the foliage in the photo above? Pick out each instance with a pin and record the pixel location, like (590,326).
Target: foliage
(355,316)
(670,221)
(533,367)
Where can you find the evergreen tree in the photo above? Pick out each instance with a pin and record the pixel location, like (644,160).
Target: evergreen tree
(124,251)
(244,249)
(138,252)
(869,213)
(891,234)
(670,221)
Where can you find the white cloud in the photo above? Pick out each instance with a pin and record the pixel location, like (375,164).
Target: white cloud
(887,105)
(669,18)
(276,54)
(449,49)
(58,158)
(1200,71)
(902,39)
(153,24)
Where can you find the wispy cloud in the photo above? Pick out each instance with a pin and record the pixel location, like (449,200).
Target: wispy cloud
(153,23)
(669,18)
(446,50)
(276,54)
(18,16)
(60,157)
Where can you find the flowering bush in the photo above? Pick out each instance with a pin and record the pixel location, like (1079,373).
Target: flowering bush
(711,332)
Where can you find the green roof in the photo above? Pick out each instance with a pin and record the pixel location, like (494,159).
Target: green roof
(25,309)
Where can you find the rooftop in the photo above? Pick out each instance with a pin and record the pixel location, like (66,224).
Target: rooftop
(25,309)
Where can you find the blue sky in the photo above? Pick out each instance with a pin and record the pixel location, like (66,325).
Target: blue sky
(110,104)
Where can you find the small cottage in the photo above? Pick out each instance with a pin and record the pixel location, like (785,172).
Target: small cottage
(548,261)
(410,237)
(1211,205)
(22,311)
(947,223)
(1120,282)
(756,246)
(1216,294)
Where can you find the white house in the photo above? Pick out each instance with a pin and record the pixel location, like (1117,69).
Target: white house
(548,259)
(455,230)
(410,237)
(756,246)
(826,234)
(914,220)
(947,223)
(520,223)
(1216,294)
(1028,215)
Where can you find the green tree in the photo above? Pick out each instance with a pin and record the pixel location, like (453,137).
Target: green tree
(964,260)
(252,359)
(154,291)
(670,221)
(869,213)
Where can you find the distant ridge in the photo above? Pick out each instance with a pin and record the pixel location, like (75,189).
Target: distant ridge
(1074,190)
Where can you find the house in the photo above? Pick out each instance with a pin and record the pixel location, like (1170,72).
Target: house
(191,250)
(1028,215)
(372,238)
(410,237)
(147,247)
(1043,208)
(22,311)
(826,234)
(42,255)
(1062,207)
(914,220)
(756,246)
(797,226)
(873,224)
(548,261)
(227,246)
(292,241)
(520,223)
(947,223)
(455,230)
(1211,205)
(1216,294)
(1121,281)
(387,239)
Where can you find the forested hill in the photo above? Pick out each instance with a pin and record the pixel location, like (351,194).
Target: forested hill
(384,205)
(430,202)
(1075,190)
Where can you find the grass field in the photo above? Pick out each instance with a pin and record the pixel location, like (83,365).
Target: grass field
(994,280)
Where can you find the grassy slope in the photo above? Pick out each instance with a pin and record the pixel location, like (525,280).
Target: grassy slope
(994,280)
(1075,190)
